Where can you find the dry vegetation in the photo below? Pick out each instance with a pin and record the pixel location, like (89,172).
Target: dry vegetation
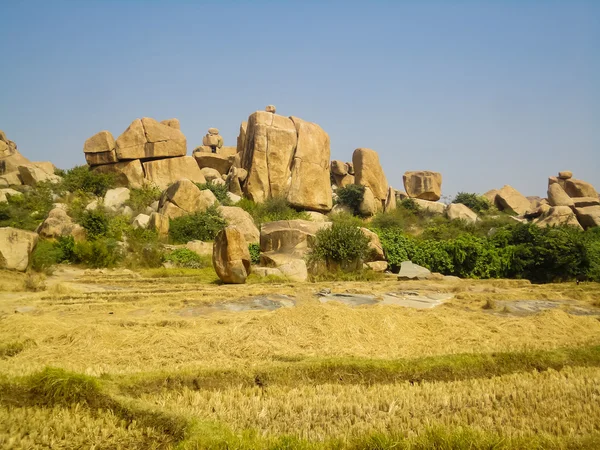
(147,361)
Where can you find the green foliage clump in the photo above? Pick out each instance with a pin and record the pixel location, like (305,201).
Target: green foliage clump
(182,257)
(99,253)
(343,244)
(254,250)
(139,199)
(144,249)
(81,178)
(271,210)
(351,196)
(28,210)
(95,222)
(475,202)
(347,218)
(200,226)
(220,191)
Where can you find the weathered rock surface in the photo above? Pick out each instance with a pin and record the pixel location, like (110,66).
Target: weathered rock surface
(100,149)
(210,174)
(184,197)
(339,168)
(458,211)
(491,195)
(148,139)
(378,266)
(266,271)
(558,215)
(15,248)
(589,216)
(294,237)
(10,179)
(410,271)
(432,207)
(164,172)
(310,186)
(375,247)
(7,193)
(141,221)
(565,174)
(231,258)
(216,161)
(581,202)
(34,173)
(200,247)
(241,140)
(424,185)
(159,223)
(369,173)
(557,196)
(291,267)
(317,217)
(243,221)
(390,203)
(127,173)
(370,204)
(173,123)
(508,198)
(115,198)
(579,188)
(58,224)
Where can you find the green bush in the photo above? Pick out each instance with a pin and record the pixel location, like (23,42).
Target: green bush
(271,210)
(45,255)
(81,178)
(28,210)
(182,257)
(397,246)
(475,202)
(201,226)
(254,250)
(220,191)
(144,249)
(95,222)
(351,196)
(347,218)
(99,253)
(343,244)
(139,199)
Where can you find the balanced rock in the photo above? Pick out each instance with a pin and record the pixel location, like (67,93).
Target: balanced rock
(231,257)
(310,186)
(369,173)
(509,199)
(213,140)
(557,196)
(565,174)
(243,221)
(184,197)
(127,173)
(458,211)
(164,172)
(579,188)
(148,139)
(15,248)
(424,185)
(271,109)
(558,215)
(100,149)
(589,216)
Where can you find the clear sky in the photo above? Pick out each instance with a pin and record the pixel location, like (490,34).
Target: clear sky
(486,92)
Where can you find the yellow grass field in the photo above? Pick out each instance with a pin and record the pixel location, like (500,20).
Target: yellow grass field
(164,359)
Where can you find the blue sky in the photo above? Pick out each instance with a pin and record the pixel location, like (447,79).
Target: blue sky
(488,93)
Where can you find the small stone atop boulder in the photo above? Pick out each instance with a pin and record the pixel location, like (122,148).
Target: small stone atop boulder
(565,174)
(410,271)
(231,257)
(424,185)
(15,248)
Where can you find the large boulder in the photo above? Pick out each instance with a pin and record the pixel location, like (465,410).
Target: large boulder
(558,215)
(184,197)
(411,271)
(141,221)
(582,202)
(431,207)
(424,185)
(458,211)
(164,172)
(271,140)
(375,248)
(220,163)
(34,173)
(160,223)
(59,224)
(491,195)
(148,139)
(293,237)
(15,248)
(10,158)
(243,221)
(310,186)
(579,188)
(127,173)
(339,168)
(115,198)
(557,196)
(390,203)
(100,149)
(370,205)
(241,140)
(231,257)
(291,267)
(10,179)
(589,216)
(509,199)
(7,193)
(369,173)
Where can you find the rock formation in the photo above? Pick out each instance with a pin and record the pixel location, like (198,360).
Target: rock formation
(184,197)
(369,173)
(231,258)
(15,248)
(458,211)
(424,185)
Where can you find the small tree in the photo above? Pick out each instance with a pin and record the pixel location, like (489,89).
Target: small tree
(476,203)
(351,196)
(342,244)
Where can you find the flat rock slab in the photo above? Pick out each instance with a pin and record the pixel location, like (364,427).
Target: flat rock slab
(530,307)
(349,299)
(256,303)
(414,299)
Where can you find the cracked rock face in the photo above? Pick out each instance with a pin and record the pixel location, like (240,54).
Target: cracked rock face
(148,139)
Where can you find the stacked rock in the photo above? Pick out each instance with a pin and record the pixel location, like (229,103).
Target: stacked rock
(579,196)
(213,140)
(270,108)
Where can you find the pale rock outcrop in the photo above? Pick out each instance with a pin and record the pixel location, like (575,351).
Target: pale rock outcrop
(231,257)
(557,196)
(126,211)
(159,223)
(148,139)
(184,197)
(558,215)
(411,271)
(369,173)
(164,172)
(15,248)
(173,123)
(589,216)
(243,221)
(241,139)
(390,203)
(127,173)
(34,173)
(424,185)
(376,249)
(115,198)
(370,205)
(200,247)
(458,211)
(378,266)
(508,198)
(10,179)
(579,188)
(220,163)
(310,186)
(10,158)
(7,193)
(341,209)
(266,272)
(59,224)
(141,221)
(271,140)
(210,174)
(339,168)
(491,196)
(432,207)
(292,268)
(582,202)
(294,237)
(317,217)
(100,149)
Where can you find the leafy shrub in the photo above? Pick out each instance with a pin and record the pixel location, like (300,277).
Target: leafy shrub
(201,226)
(351,196)
(28,210)
(81,178)
(95,222)
(475,202)
(341,243)
(182,257)
(397,246)
(254,250)
(45,255)
(271,210)
(346,218)
(99,253)
(144,249)
(139,199)
(220,191)
(409,204)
